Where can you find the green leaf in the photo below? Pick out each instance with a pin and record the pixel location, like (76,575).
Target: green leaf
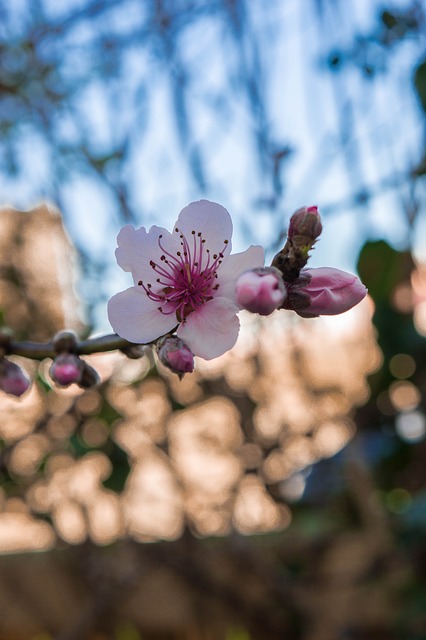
(120,468)
(108,413)
(78,445)
(382,268)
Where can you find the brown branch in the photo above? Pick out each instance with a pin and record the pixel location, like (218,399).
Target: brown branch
(41,350)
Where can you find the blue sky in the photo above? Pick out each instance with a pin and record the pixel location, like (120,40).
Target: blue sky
(346,134)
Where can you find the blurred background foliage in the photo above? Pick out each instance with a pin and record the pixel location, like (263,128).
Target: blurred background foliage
(280,490)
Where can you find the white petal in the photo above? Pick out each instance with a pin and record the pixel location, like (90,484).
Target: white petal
(212,220)
(136,318)
(212,329)
(233,266)
(137,247)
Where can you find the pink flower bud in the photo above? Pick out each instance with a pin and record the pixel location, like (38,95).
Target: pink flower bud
(325,292)
(260,290)
(175,355)
(305,226)
(13,379)
(66,369)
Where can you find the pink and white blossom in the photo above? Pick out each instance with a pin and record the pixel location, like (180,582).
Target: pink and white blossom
(183,281)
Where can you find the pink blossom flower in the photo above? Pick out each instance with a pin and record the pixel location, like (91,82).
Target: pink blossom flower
(261,290)
(183,281)
(325,291)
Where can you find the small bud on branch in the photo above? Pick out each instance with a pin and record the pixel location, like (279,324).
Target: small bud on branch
(13,380)
(66,369)
(304,230)
(175,355)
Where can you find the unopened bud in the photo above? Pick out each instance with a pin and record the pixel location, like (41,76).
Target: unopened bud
(13,379)
(325,292)
(66,369)
(305,227)
(260,290)
(175,355)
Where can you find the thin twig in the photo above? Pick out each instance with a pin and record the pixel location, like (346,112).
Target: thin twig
(41,350)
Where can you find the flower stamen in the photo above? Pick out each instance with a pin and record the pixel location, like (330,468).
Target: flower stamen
(186,279)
